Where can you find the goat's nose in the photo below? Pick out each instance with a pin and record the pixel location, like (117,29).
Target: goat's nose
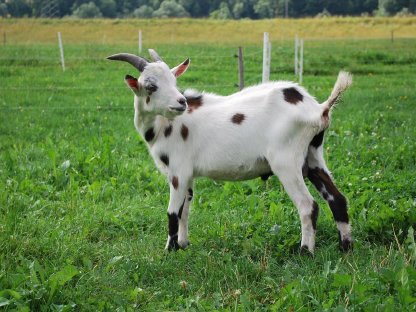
(182,101)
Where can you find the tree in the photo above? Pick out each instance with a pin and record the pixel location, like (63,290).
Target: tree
(87,10)
(3,10)
(238,10)
(170,8)
(265,8)
(144,11)
(19,8)
(223,12)
(108,8)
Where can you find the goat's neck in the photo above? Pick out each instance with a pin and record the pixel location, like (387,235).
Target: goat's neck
(145,120)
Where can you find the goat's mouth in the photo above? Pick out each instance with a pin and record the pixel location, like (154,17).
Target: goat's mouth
(179,109)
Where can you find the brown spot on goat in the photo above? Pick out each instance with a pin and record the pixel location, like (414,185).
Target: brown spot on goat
(318,139)
(194,103)
(292,95)
(175,182)
(168,130)
(322,181)
(238,118)
(149,135)
(314,214)
(184,132)
(165,159)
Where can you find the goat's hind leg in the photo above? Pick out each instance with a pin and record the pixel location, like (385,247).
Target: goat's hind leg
(320,177)
(290,175)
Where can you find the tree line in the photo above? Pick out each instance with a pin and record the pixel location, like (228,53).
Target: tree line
(219,9)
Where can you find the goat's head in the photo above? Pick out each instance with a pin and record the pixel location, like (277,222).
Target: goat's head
(156,84)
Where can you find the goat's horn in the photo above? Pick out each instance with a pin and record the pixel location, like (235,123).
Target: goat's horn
(155,57)
(137,61)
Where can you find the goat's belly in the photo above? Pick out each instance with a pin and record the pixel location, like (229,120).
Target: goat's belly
(236,173)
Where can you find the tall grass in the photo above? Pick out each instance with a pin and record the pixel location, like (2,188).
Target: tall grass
(189,31)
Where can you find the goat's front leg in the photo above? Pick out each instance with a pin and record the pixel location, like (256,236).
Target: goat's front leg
(178,213)
(183,219)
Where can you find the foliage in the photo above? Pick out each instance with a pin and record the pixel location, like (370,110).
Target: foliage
(223,12)
(87,10)
(217,9)
(108,8)
(83,209)
(169,8)
(144,11)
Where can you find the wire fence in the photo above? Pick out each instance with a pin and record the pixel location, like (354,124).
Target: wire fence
(55,55)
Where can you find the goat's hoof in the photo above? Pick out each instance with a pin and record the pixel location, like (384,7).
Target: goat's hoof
(304,251)
(183,244)
(345,245)
(172,244)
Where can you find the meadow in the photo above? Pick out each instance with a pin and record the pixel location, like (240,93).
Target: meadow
(83,209)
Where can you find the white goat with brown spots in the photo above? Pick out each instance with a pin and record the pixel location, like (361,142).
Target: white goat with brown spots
(272,128)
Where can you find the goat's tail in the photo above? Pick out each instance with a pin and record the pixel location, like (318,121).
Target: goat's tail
(344,80)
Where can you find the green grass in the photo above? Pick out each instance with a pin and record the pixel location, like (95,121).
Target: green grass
(83,209)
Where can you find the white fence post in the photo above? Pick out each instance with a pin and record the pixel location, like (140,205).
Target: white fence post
(140,41)
(61,49)
(301,62)
(266,57)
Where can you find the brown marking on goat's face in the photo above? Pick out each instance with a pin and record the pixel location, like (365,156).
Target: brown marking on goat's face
(168,130)
(149,135)
(194,103)
(292,95)
(175,182)
(238,118)
(184,132)
(147,99)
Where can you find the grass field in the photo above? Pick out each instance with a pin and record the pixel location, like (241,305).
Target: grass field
(83,209)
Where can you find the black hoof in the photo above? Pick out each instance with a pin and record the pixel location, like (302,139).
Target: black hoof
(304,251)
(346,245)
(173,244)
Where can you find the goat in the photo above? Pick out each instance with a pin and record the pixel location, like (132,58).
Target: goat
(272,128)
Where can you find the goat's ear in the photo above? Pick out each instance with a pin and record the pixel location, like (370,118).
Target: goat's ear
(181,68)
(132,83)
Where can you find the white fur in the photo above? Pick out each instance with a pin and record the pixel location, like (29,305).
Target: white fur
(274,136)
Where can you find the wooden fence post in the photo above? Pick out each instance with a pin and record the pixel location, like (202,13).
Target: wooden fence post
(140,41)
(240,69)
(296,55)
(301,62)
(61,49)
(266,57)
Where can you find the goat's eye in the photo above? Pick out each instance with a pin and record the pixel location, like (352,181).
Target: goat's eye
(151,87)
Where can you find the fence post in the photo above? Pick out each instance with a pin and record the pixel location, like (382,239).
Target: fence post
(240,68)
(4,38)
(301,62)
(266,57)
(140,41)
(296,54)
(61,49)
